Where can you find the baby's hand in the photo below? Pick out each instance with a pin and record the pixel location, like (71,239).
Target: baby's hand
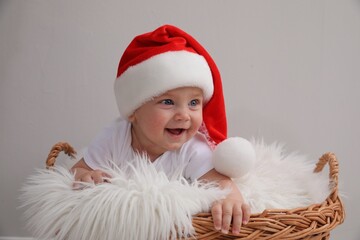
(90,176)
(83,173)
(233,208)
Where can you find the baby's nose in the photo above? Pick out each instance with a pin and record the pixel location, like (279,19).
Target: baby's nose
(182,114)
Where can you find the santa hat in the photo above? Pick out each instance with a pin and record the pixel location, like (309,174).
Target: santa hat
(165,59)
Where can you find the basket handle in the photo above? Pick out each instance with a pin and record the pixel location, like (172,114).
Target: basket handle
(331,159)
(56,149)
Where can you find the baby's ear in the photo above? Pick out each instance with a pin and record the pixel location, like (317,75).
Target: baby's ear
(131,118)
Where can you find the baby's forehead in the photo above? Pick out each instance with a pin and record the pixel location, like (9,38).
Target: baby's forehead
(196,91)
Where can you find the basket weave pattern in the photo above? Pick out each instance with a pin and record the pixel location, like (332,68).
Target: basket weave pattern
(313,222)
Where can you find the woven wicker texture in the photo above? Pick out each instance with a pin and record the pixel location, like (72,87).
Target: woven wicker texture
(313,222)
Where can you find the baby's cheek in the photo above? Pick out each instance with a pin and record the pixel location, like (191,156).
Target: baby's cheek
(195,126)
(197,122)
(156,123)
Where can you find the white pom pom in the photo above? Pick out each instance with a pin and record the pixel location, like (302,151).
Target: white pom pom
(234,157)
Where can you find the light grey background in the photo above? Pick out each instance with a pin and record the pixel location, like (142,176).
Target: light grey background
(290,69)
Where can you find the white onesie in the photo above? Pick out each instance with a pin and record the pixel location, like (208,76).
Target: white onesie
(113,145)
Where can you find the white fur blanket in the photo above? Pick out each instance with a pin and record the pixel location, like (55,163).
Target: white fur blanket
(282,181)
(139,203)
(142,203)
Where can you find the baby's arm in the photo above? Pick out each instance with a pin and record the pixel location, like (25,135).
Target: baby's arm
(232,207)
(84,173)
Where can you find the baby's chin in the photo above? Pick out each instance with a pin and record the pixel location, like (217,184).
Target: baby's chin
(174,147)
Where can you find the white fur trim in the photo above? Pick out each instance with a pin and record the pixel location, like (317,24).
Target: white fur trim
(158,74)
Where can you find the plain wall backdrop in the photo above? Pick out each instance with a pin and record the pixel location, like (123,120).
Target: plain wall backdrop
(290,69)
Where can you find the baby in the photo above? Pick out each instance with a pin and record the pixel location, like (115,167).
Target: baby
(169,94)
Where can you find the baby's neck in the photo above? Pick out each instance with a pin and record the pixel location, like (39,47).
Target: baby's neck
(137,147)
(151,157)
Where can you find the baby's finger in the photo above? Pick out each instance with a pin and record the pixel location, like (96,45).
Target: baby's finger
(216,212)
(97,176)
(226,217)
(246,213)
(86,178)
(104,174)
(237,219)
(106,177)
(79,182)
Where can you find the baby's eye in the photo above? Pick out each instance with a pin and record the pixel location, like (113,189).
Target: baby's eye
(194,102)
(167,102)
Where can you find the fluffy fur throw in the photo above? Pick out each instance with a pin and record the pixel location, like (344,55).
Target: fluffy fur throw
(282,181)
(142,203)
(139,203)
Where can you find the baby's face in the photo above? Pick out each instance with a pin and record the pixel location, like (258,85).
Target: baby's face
(168,121)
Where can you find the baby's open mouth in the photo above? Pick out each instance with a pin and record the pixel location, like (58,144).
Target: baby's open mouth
(175,131)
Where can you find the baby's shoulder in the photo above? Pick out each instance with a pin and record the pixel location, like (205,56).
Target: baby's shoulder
(116,127)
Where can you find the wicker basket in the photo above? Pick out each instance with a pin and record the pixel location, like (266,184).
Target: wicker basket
(312,222)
